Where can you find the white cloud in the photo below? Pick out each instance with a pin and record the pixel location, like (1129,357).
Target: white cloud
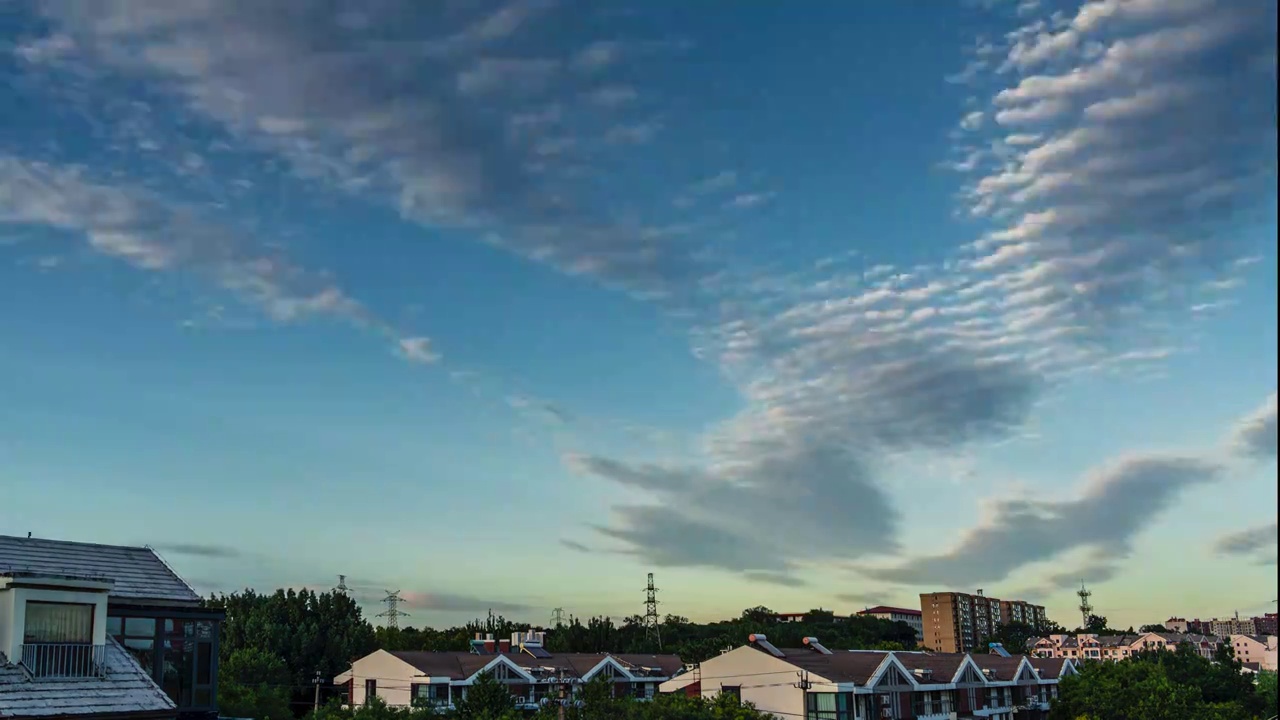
(418,350)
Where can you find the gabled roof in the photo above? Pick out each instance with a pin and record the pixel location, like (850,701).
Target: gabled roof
(464,665)
(1048,668)
(838,667)
(138,572)
(885,610)
(126,689)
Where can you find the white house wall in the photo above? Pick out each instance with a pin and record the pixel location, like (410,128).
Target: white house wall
(395,678)
(766,681)
(13,605)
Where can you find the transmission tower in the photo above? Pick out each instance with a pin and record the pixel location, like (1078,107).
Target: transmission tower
(342,584)
(651,624)
(557,617)
(1086,609)
(393,612)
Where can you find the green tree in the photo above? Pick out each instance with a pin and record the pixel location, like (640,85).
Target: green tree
(1097,624)
(1266,687)
(1153,628)
(1014,636)
(487,699)
(253,683)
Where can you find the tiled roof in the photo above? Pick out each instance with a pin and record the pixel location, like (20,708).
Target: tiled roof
(462,665)
(139,573)
(944,667)
(1049,668)
(840,667)
(126,688)
(1003,669)
(885,609)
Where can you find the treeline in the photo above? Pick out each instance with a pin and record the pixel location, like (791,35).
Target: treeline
(294,638)
(693,642)
(1164,685)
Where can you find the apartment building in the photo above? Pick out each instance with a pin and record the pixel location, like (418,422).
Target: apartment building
(530,672)
(816,683)
(1256,651)
(1183,625)
(895,614)
(1089,646)
(955,622)
(1266,624)
(1224,627)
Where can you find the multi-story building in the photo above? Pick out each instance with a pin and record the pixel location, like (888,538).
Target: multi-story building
(1256,651)
(531,674)
(895,614)
(102,631)
(1266,624)
(1224,627)
(1088,646)
(955,622)
(1183,625)
(866,684)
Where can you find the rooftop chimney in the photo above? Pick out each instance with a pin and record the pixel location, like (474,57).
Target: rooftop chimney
(489,644)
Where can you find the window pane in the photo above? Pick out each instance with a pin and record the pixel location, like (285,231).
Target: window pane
(142,651)
(177,671)
(175,627)
(115,626)
(58,623)
(140,627)
(204,663)
(203,697)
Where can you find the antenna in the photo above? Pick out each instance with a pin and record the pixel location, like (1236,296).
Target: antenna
(557,617)
(651,625)
(393,612)
(342,584)
(1086,609)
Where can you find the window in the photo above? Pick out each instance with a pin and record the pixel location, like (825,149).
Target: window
(370,690)
(828,706)
(58,623)
(178,653)
(734,690)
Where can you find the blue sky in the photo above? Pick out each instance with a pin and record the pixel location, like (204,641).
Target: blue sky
(506,304)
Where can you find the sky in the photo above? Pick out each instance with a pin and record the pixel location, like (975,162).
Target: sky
(507,304)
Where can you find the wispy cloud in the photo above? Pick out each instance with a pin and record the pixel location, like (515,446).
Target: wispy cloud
(403,104)
(1110,507)
(1111,213)
(1258,543)
(218,552)
(1255,435)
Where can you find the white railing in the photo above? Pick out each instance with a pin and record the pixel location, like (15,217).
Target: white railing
(64,660)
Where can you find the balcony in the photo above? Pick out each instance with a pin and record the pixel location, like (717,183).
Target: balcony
(62,661)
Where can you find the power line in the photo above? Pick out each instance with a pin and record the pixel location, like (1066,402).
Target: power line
(652,629)
(393,612)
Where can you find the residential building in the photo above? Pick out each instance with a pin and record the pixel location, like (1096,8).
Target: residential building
(1266,624)
(815,683)
(1089,646)
(1224,627)
(122,608)
(405,679)
(1260,649)
(893,614)
(1183,625)
(954,622)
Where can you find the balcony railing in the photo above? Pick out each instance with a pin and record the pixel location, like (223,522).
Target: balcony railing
(64,660)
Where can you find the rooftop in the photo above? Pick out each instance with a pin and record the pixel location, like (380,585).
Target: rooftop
(885,609)
(462,665)
(124,689)
(138,572)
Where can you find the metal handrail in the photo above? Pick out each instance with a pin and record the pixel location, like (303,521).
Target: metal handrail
(64,660)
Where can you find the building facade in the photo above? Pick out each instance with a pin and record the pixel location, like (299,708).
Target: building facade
(128,601)
(954,622)
(1089,646)
(1224,627)
(531,674)
(894,614)
(815,683)
(1259,650)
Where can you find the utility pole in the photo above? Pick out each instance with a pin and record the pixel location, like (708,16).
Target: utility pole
(652,628)
(315,706)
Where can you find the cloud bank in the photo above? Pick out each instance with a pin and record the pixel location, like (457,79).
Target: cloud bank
(1255,435)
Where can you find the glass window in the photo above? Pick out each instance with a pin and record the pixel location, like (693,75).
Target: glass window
(115,626)
(58,623)
(143,651)
(204,663)
(177,671)
(175,627)
(828,706)
(140,627)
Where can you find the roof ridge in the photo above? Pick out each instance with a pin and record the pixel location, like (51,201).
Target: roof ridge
(76,542)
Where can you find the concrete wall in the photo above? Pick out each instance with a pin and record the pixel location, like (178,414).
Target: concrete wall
(13,614)
(766,681)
